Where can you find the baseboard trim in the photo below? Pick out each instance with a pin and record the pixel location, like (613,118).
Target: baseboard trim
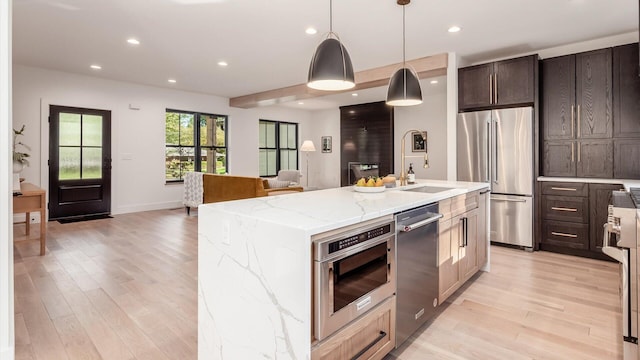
(7,353)
(148,207)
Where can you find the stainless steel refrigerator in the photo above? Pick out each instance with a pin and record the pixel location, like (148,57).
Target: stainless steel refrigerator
(496,146)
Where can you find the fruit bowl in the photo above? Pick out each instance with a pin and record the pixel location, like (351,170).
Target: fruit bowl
(368,189)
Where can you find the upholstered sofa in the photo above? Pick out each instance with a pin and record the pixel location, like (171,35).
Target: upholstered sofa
(201,188)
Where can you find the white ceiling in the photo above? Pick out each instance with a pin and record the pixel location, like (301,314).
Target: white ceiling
(265,44)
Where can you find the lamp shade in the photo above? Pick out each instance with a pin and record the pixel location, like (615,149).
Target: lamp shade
(307,145)
(331,67)
(404,89)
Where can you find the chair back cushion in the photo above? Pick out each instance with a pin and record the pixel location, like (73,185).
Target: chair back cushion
(226,187)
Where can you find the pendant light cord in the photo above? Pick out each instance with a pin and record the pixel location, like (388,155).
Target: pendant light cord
(403,38)
(330,16)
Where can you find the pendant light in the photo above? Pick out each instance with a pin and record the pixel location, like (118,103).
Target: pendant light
(404,86)
(331,67)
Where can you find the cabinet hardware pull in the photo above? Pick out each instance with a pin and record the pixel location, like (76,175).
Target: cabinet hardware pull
(495,88)
(579,151)
(564,209)
(564,189)
(573,159)
(508,200)
(572,119)
(578,121)
(563,234)
(381,336)
(490,89)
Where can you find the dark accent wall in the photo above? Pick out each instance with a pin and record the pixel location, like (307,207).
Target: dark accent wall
(366,136)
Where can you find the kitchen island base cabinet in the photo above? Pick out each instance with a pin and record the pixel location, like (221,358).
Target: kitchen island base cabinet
(458,244)
(370,337)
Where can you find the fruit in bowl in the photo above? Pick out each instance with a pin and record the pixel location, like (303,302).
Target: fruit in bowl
(373,181)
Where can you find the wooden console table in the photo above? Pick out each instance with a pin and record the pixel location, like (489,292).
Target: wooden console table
(31,200)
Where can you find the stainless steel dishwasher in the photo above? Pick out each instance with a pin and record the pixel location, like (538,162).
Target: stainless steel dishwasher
(417,264)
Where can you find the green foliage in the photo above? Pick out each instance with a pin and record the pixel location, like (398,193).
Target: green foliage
(18,156)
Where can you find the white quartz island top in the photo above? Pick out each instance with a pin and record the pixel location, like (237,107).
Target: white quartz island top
(255,264)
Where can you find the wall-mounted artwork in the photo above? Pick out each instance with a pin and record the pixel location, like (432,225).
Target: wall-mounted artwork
(326,144)
(418,144)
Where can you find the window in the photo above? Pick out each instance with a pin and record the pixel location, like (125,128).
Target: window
(194,142)
(278,142)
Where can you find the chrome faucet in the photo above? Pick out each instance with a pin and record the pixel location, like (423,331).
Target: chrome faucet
(403,176)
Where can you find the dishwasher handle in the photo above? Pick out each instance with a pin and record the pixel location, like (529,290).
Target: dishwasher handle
(409,227)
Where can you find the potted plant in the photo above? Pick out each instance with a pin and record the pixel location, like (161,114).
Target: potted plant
(19,158)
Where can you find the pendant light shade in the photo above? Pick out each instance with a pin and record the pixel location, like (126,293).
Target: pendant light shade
(404,89)
(404,86)
(331,67)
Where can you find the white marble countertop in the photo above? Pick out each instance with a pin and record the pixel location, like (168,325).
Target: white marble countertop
(627,183)
(318,211)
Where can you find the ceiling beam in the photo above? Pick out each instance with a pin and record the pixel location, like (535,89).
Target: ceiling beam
(430,66)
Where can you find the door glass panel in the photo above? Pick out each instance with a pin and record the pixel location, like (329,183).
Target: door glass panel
(91,130)
(91,163)
(69,163)
(69,132)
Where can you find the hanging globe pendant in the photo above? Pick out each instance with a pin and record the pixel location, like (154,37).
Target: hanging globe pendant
(331,67)
(404,89)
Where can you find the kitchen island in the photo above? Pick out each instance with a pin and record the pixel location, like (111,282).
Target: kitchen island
(255,264)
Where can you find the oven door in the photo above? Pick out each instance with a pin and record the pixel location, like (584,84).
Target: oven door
(349,285)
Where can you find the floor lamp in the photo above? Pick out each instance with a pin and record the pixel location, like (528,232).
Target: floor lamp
(307,147)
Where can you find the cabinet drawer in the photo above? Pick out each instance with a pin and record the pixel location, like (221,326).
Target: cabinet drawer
(444,208)
(370,337)
(565,208)
(565,188)
(463,203)
(565,234)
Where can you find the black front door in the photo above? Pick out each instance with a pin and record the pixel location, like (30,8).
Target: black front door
(79,162)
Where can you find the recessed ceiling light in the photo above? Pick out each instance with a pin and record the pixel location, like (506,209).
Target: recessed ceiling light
(434,81)
(300,103)
(133,41)
(222,63)
(311,31)
(173,81)
(454,29)
(354,94)
(96,67)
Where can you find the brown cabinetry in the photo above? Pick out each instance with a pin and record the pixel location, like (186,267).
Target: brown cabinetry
(576,107)
(498,84)
(572,217)
(591,114)
(370,337)
(459,254)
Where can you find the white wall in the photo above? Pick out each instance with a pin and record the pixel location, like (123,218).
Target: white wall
(324,168)
(137,184)
(6,201)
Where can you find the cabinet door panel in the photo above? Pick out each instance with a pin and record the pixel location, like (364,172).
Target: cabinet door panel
(474,86)
(595,158)
(515,80)
(482,228)
(594,94)
(558,97)
(626,92)
(627,159)
(469,252)
(448,258)
(559,158)
(599,199)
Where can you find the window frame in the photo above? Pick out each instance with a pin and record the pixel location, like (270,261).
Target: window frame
(277,148)
(197,147)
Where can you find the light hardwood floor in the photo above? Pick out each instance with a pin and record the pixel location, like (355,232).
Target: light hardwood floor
(125,288)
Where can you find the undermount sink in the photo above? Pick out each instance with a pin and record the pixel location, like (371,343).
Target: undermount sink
(429,189)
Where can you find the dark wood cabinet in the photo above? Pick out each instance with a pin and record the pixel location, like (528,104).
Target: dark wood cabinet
(594,159)
(627,159)
(572,217)
(558,97)
(559,158)
(626,92)
(500,84)
(593,94)
(599,199)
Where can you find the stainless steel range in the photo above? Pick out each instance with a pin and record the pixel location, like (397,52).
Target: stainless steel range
(623,227)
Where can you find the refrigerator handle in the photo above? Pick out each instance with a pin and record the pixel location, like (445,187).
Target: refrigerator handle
(488,175)
(495,152)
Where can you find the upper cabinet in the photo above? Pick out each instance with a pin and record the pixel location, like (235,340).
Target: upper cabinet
(626,92)
(576,96)
(498,84)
